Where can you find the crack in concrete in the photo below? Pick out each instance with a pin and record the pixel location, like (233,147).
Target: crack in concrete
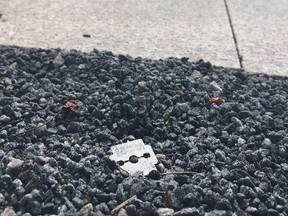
(240,57)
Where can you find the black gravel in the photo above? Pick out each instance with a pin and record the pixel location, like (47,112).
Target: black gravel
(238,150)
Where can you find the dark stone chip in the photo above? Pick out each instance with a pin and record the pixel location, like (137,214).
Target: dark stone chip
(154,174)
(34,183)
(246,181)
(223,204)
(187,212)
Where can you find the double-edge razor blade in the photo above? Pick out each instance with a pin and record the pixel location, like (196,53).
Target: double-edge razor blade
(134,156)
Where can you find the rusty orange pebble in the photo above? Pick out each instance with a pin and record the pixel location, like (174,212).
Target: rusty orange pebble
(73,106)
(216,100)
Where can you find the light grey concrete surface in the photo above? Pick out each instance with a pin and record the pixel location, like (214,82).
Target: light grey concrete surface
(147,28)
(261,28)
(156,29)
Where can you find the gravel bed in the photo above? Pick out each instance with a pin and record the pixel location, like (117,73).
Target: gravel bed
(237,150)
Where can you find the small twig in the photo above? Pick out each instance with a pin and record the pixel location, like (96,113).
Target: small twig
(123,204)
(42,125)
(72,106)
(179,173)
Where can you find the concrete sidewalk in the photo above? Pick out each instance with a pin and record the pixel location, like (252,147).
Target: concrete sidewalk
(155,29)
(262,33)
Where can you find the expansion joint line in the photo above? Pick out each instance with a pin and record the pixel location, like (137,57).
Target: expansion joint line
(240,57)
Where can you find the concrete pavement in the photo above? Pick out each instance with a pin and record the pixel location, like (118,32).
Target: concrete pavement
(155,29)
(262,33)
